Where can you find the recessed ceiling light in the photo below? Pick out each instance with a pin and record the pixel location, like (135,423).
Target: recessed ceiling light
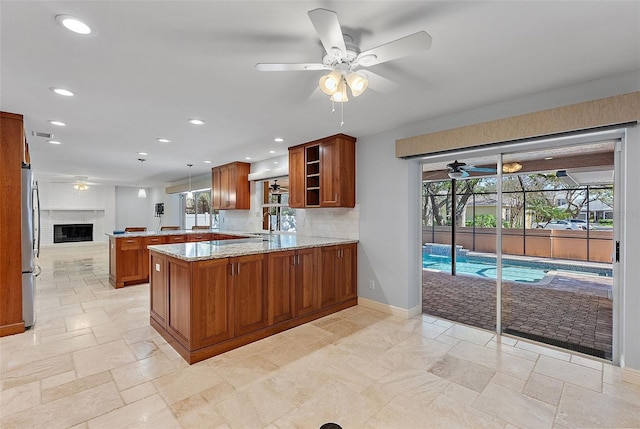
(276,162)
(247,158)
(548,158)
(278,139)
(74,24)
(196,121)
(62,91)
(58,123)
(207,162)
(272,151)
(161,140)
(143,153)
(53,142)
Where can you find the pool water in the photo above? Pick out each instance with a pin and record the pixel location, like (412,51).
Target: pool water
(484,269)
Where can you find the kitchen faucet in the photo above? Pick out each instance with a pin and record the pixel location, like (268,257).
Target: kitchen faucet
(268,216)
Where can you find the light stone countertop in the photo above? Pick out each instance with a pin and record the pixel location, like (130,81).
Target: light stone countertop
(151,233)
(205,250)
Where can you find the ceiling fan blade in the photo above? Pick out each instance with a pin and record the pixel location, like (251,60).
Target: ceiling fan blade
(328,28)
(408,45)
(480,169)
(379,83)
(291,67)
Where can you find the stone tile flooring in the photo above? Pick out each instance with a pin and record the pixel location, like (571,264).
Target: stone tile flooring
(92,361)
(569,309)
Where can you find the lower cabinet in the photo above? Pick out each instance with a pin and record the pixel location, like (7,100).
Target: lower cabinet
(293,283)
(338,274)
(204,308)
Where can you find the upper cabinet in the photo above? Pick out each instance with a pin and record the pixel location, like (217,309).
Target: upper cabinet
(322,173)
(230,186)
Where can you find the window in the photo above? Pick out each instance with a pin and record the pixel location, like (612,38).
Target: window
(275,202)
(197,210)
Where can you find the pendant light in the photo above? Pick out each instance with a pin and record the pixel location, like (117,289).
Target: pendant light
(190,193)
(142,193)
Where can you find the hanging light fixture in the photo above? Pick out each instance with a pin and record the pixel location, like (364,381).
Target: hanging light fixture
(190,193)
(142,193)
(335,84)
(81,184)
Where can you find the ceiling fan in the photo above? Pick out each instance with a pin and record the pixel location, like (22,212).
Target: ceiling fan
(344,59)
(276,189)
(460,170)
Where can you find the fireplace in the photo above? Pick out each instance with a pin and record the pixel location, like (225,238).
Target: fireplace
(72,232)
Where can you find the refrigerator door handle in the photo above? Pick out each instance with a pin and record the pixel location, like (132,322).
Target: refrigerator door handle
(36,247)
(37,270)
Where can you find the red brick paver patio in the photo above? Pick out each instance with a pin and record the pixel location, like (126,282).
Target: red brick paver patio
(572,311)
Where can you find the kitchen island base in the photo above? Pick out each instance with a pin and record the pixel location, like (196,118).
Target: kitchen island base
(193,356)
(204,307)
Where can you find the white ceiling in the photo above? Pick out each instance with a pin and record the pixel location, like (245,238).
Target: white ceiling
(151,65)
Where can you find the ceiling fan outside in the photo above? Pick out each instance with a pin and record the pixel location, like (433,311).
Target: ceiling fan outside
(460,170)
(344,59)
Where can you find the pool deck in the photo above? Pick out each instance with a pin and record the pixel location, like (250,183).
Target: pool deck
(570,309)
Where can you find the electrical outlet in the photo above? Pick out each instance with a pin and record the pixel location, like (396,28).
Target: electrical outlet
(372,284)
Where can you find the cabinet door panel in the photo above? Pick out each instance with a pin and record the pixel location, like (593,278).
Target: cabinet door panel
(297,188)
(330,174)
(130,265)
(306,283)
(328,276)
(216,189)
(179,300)
(346,286)
(281,278)
(212,303)
(250,293)
(158,289)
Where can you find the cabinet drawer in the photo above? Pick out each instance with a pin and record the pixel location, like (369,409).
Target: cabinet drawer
(176,239)
(154,240)
(199,237)
(130,243)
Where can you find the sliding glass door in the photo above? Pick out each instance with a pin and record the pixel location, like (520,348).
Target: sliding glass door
(520,243)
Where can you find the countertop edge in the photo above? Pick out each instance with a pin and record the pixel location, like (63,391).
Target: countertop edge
(245,249)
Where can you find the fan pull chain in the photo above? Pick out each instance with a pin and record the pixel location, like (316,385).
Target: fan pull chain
(333,107)
(341,114)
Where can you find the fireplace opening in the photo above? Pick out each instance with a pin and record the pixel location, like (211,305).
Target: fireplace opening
(72,232)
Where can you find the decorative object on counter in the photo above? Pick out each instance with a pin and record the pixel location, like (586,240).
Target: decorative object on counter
(118,231)
(190,193)
(141,192)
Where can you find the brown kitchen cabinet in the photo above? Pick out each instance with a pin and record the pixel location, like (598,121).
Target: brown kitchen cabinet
(230,186)
(11,156)
(159,302)
(322,173)
(338,274)
(293,283)
(213,306)
(248,275)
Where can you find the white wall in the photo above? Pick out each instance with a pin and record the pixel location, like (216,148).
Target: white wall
(60,203)
(134,211)
(388,251)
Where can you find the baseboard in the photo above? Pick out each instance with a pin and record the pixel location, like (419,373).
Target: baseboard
(631,375)
(390,309)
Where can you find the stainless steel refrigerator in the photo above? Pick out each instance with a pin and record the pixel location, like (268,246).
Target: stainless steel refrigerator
(30,245)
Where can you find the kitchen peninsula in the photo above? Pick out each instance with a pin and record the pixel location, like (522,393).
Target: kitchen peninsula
(129,257)
(213,296)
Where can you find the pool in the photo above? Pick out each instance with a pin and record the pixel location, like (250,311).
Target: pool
(518,271)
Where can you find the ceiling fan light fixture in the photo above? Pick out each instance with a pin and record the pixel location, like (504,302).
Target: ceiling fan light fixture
(511,167)
(340,96)
(142,193)
(456,174)
(357,83)
(330,82)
